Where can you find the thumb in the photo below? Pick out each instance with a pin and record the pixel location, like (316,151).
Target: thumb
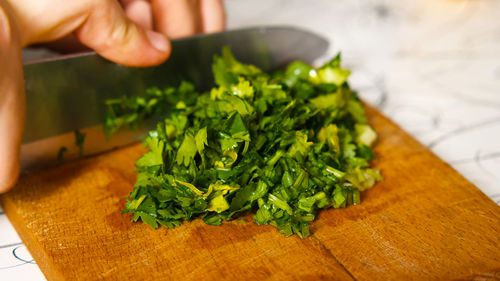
(11,102)
(111,34)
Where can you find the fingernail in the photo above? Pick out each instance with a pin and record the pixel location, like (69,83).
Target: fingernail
(158,40)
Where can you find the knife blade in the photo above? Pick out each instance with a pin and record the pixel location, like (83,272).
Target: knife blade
(68,93)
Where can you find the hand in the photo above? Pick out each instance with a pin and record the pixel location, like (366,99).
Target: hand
(102,25)
(173,18)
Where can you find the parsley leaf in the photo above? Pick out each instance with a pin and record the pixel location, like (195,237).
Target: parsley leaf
(186,151)
(79,139)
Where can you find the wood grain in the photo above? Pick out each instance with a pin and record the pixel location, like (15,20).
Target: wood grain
(423,222)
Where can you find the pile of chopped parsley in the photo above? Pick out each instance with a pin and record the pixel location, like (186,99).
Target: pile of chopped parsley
(284,145)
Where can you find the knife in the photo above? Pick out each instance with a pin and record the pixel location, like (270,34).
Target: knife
(67,93)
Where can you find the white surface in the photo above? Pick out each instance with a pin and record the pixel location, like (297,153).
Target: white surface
(432,66)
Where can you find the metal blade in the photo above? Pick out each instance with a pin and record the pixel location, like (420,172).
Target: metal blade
(68,93)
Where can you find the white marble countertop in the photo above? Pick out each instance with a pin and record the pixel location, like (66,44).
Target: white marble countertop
(432,66)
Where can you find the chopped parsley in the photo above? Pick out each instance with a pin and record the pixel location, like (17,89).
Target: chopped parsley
(79,140)
(282,145)
(60,153)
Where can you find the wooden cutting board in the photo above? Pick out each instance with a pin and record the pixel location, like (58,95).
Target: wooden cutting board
(423,222)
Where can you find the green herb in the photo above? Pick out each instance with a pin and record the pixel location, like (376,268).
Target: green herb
(79,139)
(284,145)
(60,153)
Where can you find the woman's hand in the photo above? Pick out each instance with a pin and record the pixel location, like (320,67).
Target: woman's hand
(172,18)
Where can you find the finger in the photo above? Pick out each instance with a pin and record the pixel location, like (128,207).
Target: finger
(108,31)
(213,16)
(176,18)
(139,11)
(11,103)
